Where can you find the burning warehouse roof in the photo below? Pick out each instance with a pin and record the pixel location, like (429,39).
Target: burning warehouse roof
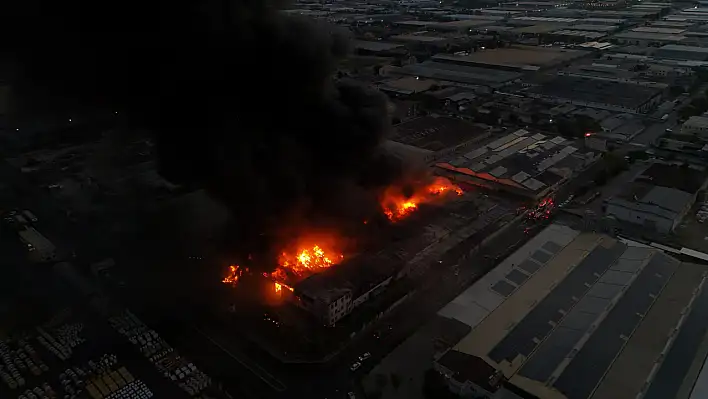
(356,276)
(521,162)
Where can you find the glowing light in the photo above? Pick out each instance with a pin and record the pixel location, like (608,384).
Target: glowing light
(279,287)
(235,272)
(396,206)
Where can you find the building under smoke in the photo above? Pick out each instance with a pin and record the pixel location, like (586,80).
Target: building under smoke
(178,71)
(337,291)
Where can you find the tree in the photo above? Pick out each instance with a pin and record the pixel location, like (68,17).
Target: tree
(687,112)
(434,386)
(380,380)
(700,103)
(675,90)
(395,380)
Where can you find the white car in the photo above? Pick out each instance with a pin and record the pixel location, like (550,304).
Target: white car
(355,366)
(364,356)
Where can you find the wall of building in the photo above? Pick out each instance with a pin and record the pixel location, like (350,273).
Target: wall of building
(338,309)
(371,293)
(649,104)
(696,125)
(625,211)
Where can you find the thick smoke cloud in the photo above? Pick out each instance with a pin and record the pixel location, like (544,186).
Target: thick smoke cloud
(239,95)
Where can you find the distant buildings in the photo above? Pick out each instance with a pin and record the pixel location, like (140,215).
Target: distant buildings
(575,315)
(430,138)
(696,125)
(337,291)
(658,198)
(521,163)
(599,93)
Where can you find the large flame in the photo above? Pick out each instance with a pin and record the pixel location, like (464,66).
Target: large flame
(397,206)
(308,260)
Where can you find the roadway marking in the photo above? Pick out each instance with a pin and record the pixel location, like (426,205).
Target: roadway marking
(260,372)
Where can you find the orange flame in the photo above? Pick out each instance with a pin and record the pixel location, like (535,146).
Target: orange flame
(396,206)
(235,272)
(279,287)
(308,260)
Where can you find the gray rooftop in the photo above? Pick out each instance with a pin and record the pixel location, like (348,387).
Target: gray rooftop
(588,296)
(595,91)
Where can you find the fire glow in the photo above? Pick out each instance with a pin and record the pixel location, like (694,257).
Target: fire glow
(313,253)
(235,272)
(397,206)
(279,287)
(308,260)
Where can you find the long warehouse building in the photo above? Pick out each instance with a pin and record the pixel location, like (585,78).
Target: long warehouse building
(581,315)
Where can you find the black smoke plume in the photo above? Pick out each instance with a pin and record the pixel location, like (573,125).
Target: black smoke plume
(239,95)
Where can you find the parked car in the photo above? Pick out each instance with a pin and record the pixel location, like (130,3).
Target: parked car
(355,366)
(364,356)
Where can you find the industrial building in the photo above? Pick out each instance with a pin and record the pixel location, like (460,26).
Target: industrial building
(658,198)
(602,94)
(645,38)
(514,58)
(429,138)
(377,47)
(374,281)
(574,315)
(696,125)
(521,163)
(40,248)
(679,52)
(456,74)
(335,292)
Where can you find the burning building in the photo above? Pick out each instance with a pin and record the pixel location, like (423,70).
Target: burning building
(337,291)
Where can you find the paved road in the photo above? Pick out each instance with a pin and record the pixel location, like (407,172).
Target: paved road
(653,132)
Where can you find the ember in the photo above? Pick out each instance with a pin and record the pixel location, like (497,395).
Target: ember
(235,272)
(396,206)
(279,287)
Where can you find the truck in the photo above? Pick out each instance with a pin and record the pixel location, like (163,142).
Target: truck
(30,215)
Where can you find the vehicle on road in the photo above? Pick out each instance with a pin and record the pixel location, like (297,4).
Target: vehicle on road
(364,356)
(665,117)
(355,366)
(351,395)
(669,130)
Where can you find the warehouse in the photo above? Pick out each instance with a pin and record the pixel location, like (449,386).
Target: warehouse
(432,137)
(377,47)
(641,38)
(602,94)
(574,315)
(658,198)
(514,58)
(684,53)
(521,163)
(39,247)
(462,75)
